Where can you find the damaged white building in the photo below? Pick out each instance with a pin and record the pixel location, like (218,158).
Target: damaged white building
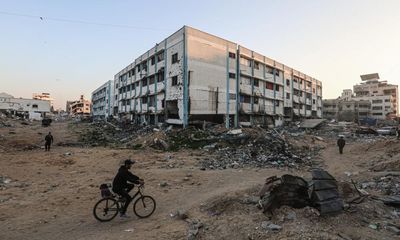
(27,108)
(194,76)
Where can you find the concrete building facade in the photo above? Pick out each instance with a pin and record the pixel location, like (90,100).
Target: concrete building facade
(193,75)
(29,108)
(383,96)
(346,110)
(103,100)
(79,107)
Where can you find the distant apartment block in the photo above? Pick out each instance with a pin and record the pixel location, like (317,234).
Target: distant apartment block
(79,107)
(27,108)
(43,96)
(102,100)
(379,97)
(194,76)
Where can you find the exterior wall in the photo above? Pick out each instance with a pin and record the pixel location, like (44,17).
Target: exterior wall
(79,107)
(22,105)
(212,79)
(343,110)
(102,100)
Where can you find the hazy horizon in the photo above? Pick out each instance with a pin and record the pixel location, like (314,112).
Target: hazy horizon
(70,48)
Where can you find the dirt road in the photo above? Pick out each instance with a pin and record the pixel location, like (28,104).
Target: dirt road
(51,194)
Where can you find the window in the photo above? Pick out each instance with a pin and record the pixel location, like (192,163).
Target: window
(276,103)
(160,76)
(151,79)
(256,65)
(138,68)
(269,86)
(313,90)
(144,82)
(232,96)
(287,95)
(313,101)
(387,100)
(287,82)
(174,58)
(160,56)
(376,101)
(277,88)
(269,70)
(377,108)
(232,55)
(34,106)
(377,114)
(116,97)
(232,75)
(174,80)
(153,60)
(244,99)
(144,100)
(255,100)
(256,82)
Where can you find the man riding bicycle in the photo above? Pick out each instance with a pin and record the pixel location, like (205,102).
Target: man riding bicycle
(121,185)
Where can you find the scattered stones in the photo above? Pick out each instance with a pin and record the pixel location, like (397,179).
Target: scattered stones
(291,216)
(270,226)
(194,227)
(163,184)
(180,214)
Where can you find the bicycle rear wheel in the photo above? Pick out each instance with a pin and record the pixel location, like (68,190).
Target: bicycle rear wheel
(144,206)
(106,209)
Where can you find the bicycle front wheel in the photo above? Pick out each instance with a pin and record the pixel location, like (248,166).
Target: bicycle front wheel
(106,209)
(144,206)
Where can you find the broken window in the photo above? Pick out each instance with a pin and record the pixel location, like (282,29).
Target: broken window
(244,99)
(269,70)
(151,79)
(232,55)
(277,88)
(174,80)
(255,82)
(144,82)
(269,86)
(256,65)
(160,76)
(160,56)
(34,106)
(313,90)
(255,100)
(152,101)
(144,100)
(232,75)
(232,96)
(313,101)
(276,103)
(287,95)
(287,82)
(153,60)
(138,68)
(174,58)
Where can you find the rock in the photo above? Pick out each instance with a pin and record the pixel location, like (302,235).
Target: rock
(180,214)
(163,184)
(186,179)
(373,226)
(393,229)
(270,226)
(189,175)
(67,154)
(251,200)
(291,216)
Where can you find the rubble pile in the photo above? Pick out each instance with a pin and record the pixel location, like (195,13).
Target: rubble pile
(256,148)
(387,185)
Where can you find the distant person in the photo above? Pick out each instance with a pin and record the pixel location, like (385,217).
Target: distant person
(341,143)
(49,140)
(121,185)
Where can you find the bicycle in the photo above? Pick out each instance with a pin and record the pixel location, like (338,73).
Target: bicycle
(107,208)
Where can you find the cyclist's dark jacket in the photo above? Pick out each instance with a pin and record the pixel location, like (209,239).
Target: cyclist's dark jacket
(122,178)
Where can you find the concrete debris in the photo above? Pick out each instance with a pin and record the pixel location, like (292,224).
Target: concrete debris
(325,193)
(270,226)
(194,227)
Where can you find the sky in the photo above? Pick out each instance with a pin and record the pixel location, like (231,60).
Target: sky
(78,45)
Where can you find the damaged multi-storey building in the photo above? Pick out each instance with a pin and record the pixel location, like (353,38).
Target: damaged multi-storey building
(195,76)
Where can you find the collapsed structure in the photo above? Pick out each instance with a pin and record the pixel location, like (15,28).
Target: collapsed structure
(26,108)
(372,98)
(79,107)
(193,75)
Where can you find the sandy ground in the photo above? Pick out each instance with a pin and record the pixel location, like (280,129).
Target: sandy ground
(51,194)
